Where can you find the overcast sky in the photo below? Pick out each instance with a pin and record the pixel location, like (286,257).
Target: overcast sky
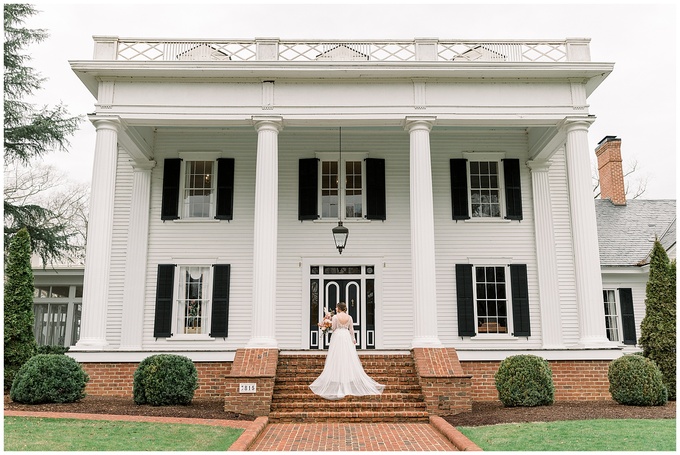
(637,102)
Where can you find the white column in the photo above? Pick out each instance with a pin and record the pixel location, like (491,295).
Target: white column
(422,234)
(584,232)
(548,284)
(265,235)
(136,257)
(99,235)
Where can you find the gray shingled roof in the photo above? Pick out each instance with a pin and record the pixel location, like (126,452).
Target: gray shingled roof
(626,232)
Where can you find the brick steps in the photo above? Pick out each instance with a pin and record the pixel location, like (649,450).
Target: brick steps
(348,416)
(402,400)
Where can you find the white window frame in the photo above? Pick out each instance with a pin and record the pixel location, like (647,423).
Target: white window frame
(178,295)
(342,202)
(191,157)
(508,299)
(617,316)
(487,157)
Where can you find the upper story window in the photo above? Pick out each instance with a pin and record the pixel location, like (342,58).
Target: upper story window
(198,199)
(360,196)
(486,186)
(485,189)
(349,195)
(198,186)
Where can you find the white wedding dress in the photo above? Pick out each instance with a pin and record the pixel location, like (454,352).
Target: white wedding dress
(343,374)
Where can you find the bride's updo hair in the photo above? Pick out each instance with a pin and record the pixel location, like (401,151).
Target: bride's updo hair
(341,306)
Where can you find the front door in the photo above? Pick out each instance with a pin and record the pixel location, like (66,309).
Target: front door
(353,285)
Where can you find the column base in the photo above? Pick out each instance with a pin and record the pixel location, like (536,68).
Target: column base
(596,343)
(262,342)
(426,342)
(90,344)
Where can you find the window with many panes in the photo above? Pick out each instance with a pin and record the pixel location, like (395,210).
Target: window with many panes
(192,310)
(485,189)
(349,195)
(491,299)
(56,311)
(198,191)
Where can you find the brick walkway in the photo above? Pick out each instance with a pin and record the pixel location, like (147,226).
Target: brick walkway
(437,435)
(393,437)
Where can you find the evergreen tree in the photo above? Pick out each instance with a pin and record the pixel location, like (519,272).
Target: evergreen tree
(20,342)
(29,133)
(657,331)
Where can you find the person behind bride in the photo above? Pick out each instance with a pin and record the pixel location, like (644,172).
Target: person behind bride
(343,373)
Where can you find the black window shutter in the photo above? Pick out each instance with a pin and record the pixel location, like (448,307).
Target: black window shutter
(520,300)
(308,189)
(220,301)
(225,189)
(466,309)
(171,180)
(375,189)
(459,189)
(627,316)
(165,284)
(513,189)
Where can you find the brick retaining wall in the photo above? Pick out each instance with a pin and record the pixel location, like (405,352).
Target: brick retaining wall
(115,379)
(575,380)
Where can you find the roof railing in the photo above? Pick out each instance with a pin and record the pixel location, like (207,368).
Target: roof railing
(274,49)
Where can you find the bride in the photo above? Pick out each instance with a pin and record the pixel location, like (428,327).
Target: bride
(343,374)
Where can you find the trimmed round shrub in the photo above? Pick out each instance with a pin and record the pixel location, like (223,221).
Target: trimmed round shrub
(165,379)
(49,378)
(525,380)
(636,380)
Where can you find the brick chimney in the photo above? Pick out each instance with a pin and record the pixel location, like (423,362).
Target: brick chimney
(610,170)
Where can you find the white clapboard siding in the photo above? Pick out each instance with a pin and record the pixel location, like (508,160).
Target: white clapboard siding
(389,242)
(121,204)
(457,241)
(207,242)
(564,248)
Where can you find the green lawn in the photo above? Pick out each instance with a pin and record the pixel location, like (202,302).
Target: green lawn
(41,434)
(577,435)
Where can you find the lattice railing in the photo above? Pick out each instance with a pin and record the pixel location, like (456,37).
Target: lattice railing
(375,51)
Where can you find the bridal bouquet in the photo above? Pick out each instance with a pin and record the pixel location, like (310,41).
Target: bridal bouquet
(326,324)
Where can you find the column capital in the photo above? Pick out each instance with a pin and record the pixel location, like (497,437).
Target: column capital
(539,165)
(419,123)
(268,122)
(107,123)
(139,166)
(570,124)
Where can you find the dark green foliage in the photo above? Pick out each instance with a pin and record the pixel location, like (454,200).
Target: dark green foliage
(30,132)
(49,378)
(53,349)
(637,381)
(165,379)
(658,328)
(19,340)
(525,380)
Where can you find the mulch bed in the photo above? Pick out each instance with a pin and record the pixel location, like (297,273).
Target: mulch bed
(483,413)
